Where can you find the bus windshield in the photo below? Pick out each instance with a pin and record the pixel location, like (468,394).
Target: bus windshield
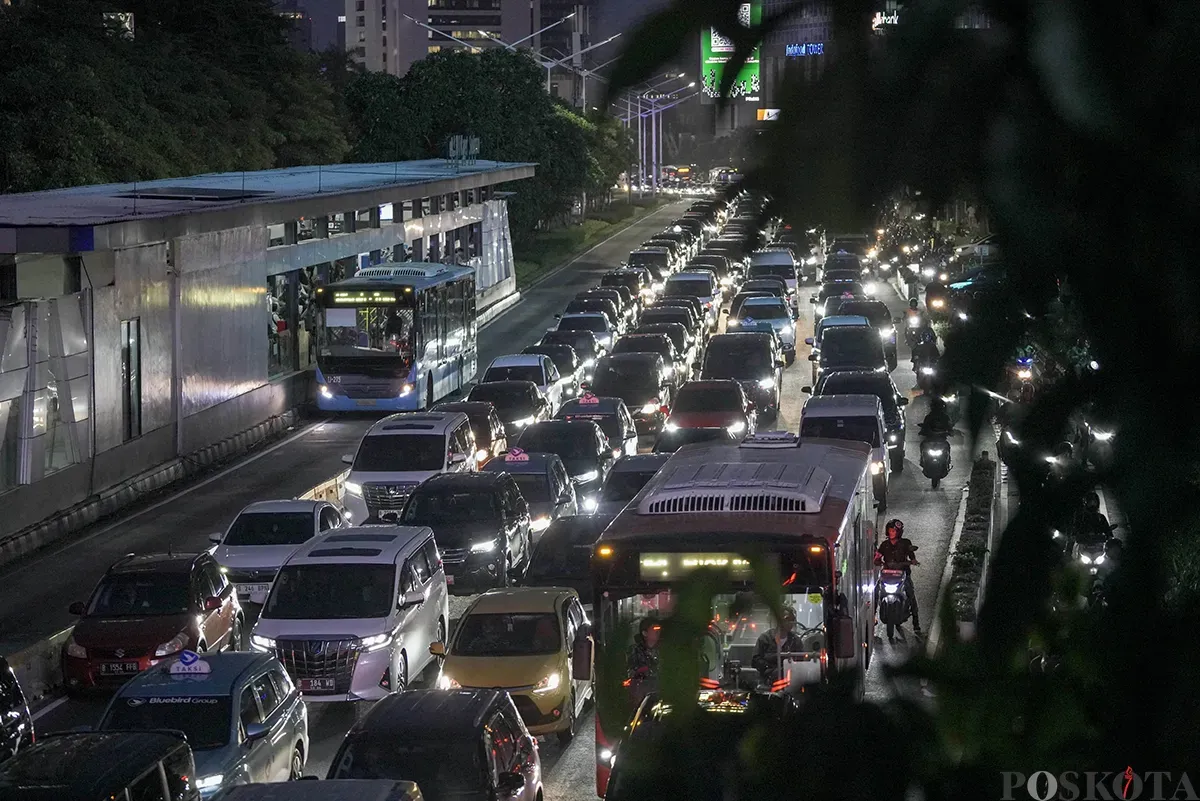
(368,333)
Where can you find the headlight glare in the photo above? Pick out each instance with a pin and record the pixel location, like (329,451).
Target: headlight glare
(548,684)
(260,643)
(172,646)
(376,642)
(487,546)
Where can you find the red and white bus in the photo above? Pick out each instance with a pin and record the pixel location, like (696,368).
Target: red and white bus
(806,508)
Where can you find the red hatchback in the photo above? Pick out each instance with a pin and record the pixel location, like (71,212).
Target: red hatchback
(713,404)
(145,609)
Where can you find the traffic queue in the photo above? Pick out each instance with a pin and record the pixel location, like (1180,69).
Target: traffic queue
(501,495)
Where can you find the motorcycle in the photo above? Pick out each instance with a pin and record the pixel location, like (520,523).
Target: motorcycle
(953,407)
(935,458)
(914,323)
(895,606)
(926,373)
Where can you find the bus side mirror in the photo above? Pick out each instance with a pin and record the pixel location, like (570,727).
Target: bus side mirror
(581,653)
(845,643)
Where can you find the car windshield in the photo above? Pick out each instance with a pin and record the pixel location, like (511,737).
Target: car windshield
(648,259)
(643,345)
(677,333)
(876,312)
(205,720)
(707,399)
(400,452)
(752,360)
(770,287)
(510,403)
(625,381)
(610,424)
(667,315)
(860,385)
(141,595)
(263,528)
(839,288)
(858,429)
(852,345)
(597,324)
(435,506)
(622,486)
(563,358)
(535,487)
(332,592)
(521,372)
(765,311)
(508,634)
(445,767)
(630,281)
(781,270)
(671,441)
(569,443)
(689,287)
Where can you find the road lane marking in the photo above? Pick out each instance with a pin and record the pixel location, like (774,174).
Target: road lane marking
(48,708)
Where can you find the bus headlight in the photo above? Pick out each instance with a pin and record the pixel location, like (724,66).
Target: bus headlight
(406,389)
(325,393)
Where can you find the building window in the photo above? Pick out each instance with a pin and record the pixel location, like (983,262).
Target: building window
(131,379)
(360,5)
(361,21)
(385,43)
(281,329)
(434,49)
(362,37)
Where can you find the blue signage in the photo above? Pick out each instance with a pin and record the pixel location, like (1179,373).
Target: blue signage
(806,49)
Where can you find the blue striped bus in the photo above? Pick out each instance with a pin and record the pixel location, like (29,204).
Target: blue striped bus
(396,338)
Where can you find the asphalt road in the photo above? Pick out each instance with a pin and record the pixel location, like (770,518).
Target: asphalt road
(39,589)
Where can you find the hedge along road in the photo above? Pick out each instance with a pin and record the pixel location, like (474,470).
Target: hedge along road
(39,588)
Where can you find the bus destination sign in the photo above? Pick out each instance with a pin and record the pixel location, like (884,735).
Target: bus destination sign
(670,566)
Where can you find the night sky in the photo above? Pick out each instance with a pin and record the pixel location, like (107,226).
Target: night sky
(617,15)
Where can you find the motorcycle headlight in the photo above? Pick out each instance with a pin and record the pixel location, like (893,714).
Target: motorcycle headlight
(736,427)
(1100,559)
(766,383)
(926,371)
(352,488)
(487,546)
(1024,375)
(962,316)
(669,426)
(1087,560)
(892,437)
(262,644)
(870,288)
(1056,534)
(590,504)
(891,588)
(936,451)
(928,272)
(172,646)
(732,323)
(1051,460)
(481,455)
(876,468)
(1011,439)
(1102,436)
(549,684)
(943,277)
(376,642)
(539,523)
(590,475)
(949,399)
(938,303)
(589,363)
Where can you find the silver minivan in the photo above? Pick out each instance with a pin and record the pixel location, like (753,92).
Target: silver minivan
(352,613)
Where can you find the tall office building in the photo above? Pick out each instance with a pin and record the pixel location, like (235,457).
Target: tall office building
(560,41)
(381,36)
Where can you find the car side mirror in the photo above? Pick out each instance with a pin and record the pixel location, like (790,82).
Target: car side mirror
(812,299)
(844,641)
(347,458)
(216,537)
(812,357)
(806,390)
(437,649)
(809,341)
(581,652)
(255,732)
(77,608)
(412,598)
(902,401)
(212,604)
(510,783)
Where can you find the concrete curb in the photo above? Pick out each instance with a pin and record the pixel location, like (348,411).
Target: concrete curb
(499,307)
(39,670)
(960,521)
(116,498)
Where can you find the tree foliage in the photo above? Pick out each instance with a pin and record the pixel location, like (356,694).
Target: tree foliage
(1078,132)
(497,95)
(199,88)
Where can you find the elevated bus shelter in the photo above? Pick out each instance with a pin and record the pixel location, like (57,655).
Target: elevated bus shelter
(147,322)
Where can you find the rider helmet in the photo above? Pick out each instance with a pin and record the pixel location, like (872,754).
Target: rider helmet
(912,303)
(1092,502)
(897,525)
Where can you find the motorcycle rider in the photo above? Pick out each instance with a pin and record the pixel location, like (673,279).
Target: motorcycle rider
(915,321)
(897,552)
(937,422)
(925,349)
(775,641)
(1089,526)
(643,655)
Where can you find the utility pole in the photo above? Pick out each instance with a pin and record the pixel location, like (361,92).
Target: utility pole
(654,147)
(579,97)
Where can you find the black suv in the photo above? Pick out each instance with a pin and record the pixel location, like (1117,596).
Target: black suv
(752,359)
(879,384)
(639,379)
(481,516)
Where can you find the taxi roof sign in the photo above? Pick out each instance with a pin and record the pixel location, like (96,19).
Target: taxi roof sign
(589,398)
(748,320)
(189,663)
(516,455)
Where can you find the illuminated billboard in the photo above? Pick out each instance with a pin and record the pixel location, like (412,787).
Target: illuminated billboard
(715,52)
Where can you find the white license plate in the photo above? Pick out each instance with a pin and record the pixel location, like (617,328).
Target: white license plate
(253,590)
(119,668)
(316,685)
(365,402)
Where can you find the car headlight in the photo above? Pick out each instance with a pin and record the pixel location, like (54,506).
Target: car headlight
(376,642)
(482,454)
(444,682)
(669,426)
(590,504)
(325,393)
(263,644)
(1102,436)
(487,546)
(891,589)
(1083,557)
(172,646)
(650,408)
(590,475)
(589,363)
(539,523)
(766,383)
(210,782)
(524,421)
(75,650)
(962,316)
(870,288)
(548,684)
(892,437)
(736,427)
(732,323)
(352,488)
(885,334)
(876,468)
(1011,439)
(936,451)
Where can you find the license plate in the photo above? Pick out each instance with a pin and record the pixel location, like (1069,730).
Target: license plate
(365,402)
(119,668)
(316,685)
(449,580)
(253,590)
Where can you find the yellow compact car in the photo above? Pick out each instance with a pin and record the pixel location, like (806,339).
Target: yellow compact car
(521,640)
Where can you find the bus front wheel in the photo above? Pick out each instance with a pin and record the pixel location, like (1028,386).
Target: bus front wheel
(428,393)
